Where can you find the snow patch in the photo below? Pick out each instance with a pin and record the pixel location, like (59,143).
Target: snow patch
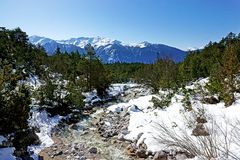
(7,153)
(34,82)
(145,120)
(2,138)
(45,124)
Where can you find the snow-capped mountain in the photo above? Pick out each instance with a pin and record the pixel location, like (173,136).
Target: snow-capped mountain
(110,51)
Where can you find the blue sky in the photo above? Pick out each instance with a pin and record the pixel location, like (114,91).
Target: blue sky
(179,23)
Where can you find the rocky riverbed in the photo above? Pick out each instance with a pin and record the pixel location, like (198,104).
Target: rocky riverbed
(84,141)
(99,136)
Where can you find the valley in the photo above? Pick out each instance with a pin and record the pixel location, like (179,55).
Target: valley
(119,80)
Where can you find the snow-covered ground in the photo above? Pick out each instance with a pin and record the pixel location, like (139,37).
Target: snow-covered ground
(41,120)
(44,123)
(7,153)
(147,123)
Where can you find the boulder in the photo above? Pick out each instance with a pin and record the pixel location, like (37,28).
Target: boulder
(141,153)
(211,100)
(131,150)
(135,108)
(181,157)
(121,137)
(93,150)
(160,156)
(82,158)
(58,153)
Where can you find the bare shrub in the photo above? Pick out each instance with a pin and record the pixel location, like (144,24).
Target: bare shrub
(215,146)
(180,139)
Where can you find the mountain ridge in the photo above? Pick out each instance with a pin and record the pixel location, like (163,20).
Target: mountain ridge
(110,51)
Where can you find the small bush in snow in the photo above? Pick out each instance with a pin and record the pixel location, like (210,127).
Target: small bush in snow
(186,102)
(162,102)
(157,103)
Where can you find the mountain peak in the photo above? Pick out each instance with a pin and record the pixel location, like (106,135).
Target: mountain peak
(83,41)
(143,44)
(39,40)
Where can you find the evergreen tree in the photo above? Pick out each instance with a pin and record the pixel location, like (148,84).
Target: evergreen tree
(95,72)
(15,67)
(230,69)
(91,57)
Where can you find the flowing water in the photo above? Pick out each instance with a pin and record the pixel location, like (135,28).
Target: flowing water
(86,130)
(88,136)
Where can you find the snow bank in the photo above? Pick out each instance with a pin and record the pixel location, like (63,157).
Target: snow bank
(7,153)
(134,105)
(145,120)
(45,124)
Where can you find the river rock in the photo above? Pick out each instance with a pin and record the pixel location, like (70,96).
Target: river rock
(82,158)
(211,100)
(125,131)
(160,156)
(131,150)
(117,122)
(58,153)
(135,108)
(121,137)
(181,157)
(93,150)
(141,153)
(142,146)
(139,136)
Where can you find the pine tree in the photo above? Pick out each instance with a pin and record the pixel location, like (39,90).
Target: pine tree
(91,57)
(230,69)
(95,72)
(16,64)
